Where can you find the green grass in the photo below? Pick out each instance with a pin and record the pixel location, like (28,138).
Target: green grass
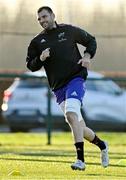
(34,159)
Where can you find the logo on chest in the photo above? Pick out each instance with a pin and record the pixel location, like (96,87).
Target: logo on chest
(43,40)
(61,37)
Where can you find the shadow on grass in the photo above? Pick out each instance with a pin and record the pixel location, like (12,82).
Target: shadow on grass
(59,153)
(56,161)
(63,153)
(61,161)
(45,153)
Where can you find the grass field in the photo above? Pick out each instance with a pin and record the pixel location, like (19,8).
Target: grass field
(27,156)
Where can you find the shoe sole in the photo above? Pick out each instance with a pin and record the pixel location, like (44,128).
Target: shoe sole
(77,168)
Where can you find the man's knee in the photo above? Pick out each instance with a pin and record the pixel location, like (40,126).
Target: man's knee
(71,117)
(72,109)
(83,124)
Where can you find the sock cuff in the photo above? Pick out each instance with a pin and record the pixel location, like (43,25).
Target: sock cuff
(79,143)
(94,141)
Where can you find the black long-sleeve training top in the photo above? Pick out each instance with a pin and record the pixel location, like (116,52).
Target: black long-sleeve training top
(62,65)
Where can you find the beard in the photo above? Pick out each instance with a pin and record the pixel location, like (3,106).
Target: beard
(47,25)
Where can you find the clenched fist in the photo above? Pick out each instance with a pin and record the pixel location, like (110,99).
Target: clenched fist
(45,54)
(85,61)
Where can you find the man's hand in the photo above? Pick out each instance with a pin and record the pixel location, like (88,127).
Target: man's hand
(45,54)
(85,61)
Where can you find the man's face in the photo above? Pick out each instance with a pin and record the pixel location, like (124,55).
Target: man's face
(46,19)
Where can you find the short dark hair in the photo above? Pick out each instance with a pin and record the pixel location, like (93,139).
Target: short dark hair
(46,8)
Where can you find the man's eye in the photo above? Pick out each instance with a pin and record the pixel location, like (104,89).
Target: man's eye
(38,19)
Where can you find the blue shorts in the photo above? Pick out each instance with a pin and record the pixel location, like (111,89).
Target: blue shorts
(74,89)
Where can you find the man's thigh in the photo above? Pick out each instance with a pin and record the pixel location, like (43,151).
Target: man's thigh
(75,89)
